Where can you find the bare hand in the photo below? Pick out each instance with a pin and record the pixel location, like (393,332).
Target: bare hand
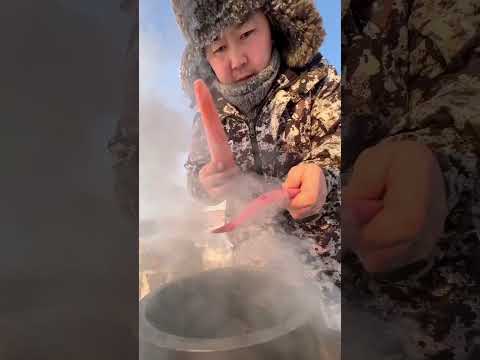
(217,181)
(405,178)
(310,180)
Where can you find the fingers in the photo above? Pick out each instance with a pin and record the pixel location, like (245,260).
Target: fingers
(217,181)
(292,192)
(387,259)
(219,178)
(369,174)
(211,168)
(299,214)
(310,187)
(294,177)
(390,258)
(311,181)
(363,210)
(406,192)
(306,178)
(380,250)
(397,205)
(220,192)
(355,214)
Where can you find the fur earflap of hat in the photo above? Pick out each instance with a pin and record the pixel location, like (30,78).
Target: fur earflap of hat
(297,28)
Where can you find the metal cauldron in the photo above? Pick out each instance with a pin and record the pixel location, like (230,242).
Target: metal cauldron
(230,314)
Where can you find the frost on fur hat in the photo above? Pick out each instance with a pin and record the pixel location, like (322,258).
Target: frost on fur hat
(296,26)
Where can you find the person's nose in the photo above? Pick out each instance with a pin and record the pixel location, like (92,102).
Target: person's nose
(238,58)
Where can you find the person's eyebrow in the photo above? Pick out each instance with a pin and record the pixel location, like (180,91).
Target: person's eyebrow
(248,21)
(239,26)
(236,27)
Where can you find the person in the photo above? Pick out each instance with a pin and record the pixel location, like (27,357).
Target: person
(410,169)
(279,102)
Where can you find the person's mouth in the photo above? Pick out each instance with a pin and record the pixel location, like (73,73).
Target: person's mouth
(244,78)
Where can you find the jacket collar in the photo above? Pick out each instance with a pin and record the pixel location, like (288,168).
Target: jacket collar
(294,81)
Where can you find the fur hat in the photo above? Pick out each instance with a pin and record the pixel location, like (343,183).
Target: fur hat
(296,27)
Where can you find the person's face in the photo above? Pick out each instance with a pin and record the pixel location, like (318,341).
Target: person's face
(241,51)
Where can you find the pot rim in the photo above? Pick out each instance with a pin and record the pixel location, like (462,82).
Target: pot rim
(161,339)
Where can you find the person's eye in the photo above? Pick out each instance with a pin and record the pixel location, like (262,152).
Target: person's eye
(219,49)
(246,34)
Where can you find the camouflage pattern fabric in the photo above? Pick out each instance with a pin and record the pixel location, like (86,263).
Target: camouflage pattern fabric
(297,122)
(411,70)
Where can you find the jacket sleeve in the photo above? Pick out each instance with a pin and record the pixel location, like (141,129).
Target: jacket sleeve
(322,146)
(325,130)
(198,157)
(444,105)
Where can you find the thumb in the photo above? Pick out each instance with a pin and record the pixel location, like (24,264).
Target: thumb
(354,215)
(294,178)
(364,210)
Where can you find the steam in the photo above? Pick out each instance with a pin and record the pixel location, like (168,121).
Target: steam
(169,219)
(163,142)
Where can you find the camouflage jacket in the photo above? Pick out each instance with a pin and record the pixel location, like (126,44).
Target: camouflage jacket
(298,121)
(411,70)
